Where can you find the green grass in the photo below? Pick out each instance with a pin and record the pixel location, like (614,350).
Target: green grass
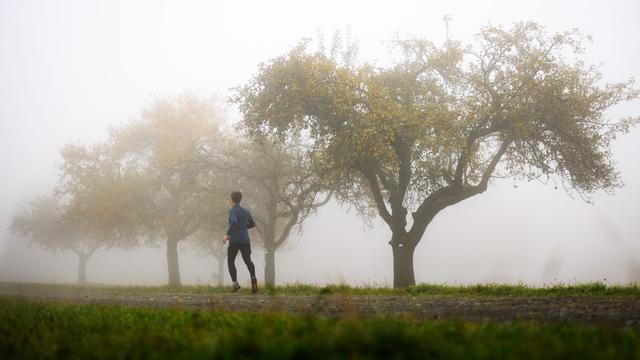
(561,289)
(587,289)
(39,330)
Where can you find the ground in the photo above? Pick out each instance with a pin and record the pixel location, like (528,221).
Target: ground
(622,308)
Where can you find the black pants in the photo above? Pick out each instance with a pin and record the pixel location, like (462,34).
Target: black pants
(245,251)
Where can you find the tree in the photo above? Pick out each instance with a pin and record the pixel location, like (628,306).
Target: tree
(434,129)
(88,210)
(208,239)
(42,223)
(280,186)
(210,243)
(165,147)
(96,193)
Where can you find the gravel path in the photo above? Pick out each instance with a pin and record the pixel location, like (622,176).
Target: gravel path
(617,311)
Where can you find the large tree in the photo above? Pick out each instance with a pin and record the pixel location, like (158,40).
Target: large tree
(165,146)
(433,130)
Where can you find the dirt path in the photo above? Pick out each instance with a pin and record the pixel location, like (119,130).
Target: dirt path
(618,311)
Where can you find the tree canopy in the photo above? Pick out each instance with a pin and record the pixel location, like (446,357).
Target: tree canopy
(180,195)
(436,127)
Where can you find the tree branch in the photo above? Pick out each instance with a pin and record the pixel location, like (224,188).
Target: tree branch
(450,195)
(261,231)
(463,161)
(482,186)
(92,250)
(324,201)
(293,220)
(374,187)
(259,220)
(403,152)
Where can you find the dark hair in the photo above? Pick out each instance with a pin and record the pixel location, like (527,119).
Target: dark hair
(236,196)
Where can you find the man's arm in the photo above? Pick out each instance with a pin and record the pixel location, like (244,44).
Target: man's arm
(233,221)
(251,223)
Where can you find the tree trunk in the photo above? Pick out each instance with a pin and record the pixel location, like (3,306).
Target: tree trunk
(172,262)
(82,268)
(403,275)
(270,266)
(220,271)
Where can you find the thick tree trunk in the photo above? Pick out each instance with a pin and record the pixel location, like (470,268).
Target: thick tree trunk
(270,266)
(403,248)
(172,262)
(220,271)
(403,275)
(82,268)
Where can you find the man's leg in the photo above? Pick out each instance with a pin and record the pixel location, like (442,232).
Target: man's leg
(245,250)
(232,251)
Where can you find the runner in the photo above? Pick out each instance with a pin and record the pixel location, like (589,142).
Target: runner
(240,221)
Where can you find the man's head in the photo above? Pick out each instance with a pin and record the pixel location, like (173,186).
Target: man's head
(236,197)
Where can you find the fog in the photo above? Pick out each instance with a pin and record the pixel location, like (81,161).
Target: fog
(69,70)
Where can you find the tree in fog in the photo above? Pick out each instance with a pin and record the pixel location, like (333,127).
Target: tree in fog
(96,194)
(209,243)
(165,147)
(88,211)
(207,240)
(434,129)
(280,187)
(42,223)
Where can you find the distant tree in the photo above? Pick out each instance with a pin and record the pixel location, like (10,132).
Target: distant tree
(88,211)
(165,147)
(96,193)
(207,240)
(41,222)
(434,129)
(209,243)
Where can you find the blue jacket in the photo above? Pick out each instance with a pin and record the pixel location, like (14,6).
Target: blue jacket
(240,221)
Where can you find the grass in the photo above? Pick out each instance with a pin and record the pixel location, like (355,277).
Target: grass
(559,289)
(40,330)
(32,329)
(587,289)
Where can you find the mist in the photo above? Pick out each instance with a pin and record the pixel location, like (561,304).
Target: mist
(71,70)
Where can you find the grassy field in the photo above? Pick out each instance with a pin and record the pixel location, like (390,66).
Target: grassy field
(584,289)
(40,330)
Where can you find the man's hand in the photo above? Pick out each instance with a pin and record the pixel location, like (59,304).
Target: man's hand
(225,239)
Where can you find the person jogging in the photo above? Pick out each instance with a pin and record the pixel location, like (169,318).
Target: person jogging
(240,221)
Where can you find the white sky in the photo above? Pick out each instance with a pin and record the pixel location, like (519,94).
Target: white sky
(71,69)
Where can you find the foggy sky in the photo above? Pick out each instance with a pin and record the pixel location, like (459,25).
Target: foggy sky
(71,69)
